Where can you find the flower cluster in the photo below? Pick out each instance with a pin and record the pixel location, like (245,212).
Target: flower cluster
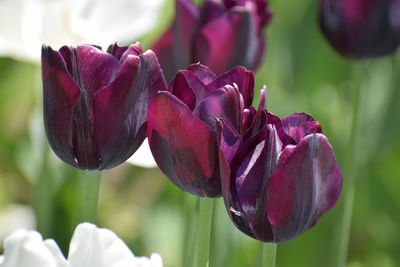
(90,246)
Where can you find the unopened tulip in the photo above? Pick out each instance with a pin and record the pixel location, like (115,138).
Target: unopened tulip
(182,124)
(95,102)
(278,175)
(361,28)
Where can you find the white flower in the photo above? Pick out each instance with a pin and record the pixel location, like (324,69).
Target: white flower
(90,247)
(26,24)
(16,216)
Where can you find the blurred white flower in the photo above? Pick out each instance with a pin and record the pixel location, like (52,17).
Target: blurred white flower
(26,24)
(14,217)
(143,156)
(90,247)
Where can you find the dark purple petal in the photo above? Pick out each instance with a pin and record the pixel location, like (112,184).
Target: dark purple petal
(186,15)
(91,68)
(120,109)
(119,51)
(225,102)
(298,125)
(306,184)
(183,146)
(188,88)
(164,51)
(210,10)
(203,73)
(260,8)
(240,76)
(60,96)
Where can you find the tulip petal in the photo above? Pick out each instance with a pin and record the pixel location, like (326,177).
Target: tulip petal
(26,249)
(188,88)
(240,76)
(236,43)
(91,246)
(210,10)
(205,74)
(298,125)
(225,102)
(91,68)
(120,109)
(60,96)
(164,51)
(183,146)
(186,15)
(306,184)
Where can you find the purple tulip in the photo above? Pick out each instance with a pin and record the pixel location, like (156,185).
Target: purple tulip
(218,34)
(278,176)
(95,102)
(361,28)
(182,124)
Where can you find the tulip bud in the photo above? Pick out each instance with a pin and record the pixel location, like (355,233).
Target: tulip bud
(95,102)
(278,176)
(218,34)
(182,126)
(361,28)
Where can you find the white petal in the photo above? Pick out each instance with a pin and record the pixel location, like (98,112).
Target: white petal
(26,249)
(154,261)
(56,252)
(91,246)
(143,156)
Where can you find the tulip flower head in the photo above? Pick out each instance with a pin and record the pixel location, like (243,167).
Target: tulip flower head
(218,34)
(361,28)
(95,102)
(90,246)
(182,126)
(278,175)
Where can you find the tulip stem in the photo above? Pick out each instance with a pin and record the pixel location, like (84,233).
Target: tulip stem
(350,172)
(269,254)
(206,206)
(90,193)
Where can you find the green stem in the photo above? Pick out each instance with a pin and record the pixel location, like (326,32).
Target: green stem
(350,172)
(204,231)
(189,237)
(90,193)
(269,254)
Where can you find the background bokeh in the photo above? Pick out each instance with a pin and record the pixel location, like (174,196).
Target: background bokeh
(302,73)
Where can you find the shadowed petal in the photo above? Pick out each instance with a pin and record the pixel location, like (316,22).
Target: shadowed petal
(306,184)
(183,146)
(121,108)
(205,74)
(186,14)
(60,96)
(164,51)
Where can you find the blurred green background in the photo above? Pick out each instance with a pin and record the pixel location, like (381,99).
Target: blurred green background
(302,73)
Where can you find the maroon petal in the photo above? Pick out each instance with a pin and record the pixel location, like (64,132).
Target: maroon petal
(120,109)
(91,68)
(118,51)
(186,14)
(164,51)
(188,88)
(60,96)
(240,76)
(205,74)
(210,10)
(225,102)
(183,146)
(298,125)
(307,183)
